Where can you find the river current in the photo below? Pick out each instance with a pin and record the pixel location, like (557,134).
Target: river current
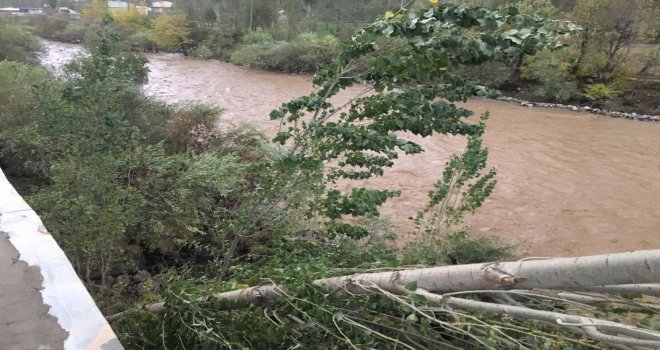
(569,183)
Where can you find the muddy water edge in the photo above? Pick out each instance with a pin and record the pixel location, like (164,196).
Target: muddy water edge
(569,183)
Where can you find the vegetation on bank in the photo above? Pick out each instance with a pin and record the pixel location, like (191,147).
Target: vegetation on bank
(153,202)
(611,64)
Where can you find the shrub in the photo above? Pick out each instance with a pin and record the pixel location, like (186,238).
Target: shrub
(317,52)
(141,40)
(257,38)
(185,121)
(255,44)
(17,44)
(554,84)
(202,52)
(307,53)
(556,87)
(460,248)
(457,248)
(20,146)
(131,18)
(17,93)
(149,115)
(73,33)
(221,42)
(599,93)
(49,26)
(247,142)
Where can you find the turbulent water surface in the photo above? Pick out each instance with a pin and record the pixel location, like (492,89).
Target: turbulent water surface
(568,183)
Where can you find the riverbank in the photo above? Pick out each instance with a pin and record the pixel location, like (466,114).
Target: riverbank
(586,109)
(57,51)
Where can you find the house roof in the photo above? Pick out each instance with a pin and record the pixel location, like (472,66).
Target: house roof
(117,4)
(162,4)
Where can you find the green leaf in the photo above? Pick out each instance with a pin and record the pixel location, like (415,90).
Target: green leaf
(412,286)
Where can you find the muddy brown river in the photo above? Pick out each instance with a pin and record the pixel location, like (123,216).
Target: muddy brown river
(569,183)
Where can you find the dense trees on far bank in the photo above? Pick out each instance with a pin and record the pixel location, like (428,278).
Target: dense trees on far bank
(611,63)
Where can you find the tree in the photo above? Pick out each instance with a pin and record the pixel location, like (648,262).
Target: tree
(294,14)
(95,10)
(263,14)
(430,292)
(609,28)
(171,32)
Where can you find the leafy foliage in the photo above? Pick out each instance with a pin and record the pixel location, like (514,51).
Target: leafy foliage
(17,44)
(171,32)
(306,53)
(122,194)
(413,93)
(598,93)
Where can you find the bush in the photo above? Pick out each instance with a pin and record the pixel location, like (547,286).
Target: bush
(554,84)
(17,91)
(247,142)
(599,93)
(201,52)
(220,42)
(17,44)
(460,248)
(257,38)
(556,87)
(73,33)
(141,40)
(255,44)
(114,197)
(311,53)
(188,124)
(307,53)
(20,147)
(457,248)
(49,26)
(132,19)
(171,32)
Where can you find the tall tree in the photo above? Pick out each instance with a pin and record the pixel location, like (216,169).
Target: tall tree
(610,27)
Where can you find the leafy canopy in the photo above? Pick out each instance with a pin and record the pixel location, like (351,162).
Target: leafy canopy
(406,60)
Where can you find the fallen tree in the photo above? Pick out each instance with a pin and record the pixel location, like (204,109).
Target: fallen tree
(445,288)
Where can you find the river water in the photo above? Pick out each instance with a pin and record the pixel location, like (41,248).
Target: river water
(569,183)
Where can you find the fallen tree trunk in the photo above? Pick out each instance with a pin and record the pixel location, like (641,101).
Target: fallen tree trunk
(625,273)
(597,273)
(621,273)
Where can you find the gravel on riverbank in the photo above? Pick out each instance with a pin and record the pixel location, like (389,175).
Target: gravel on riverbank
(635,116)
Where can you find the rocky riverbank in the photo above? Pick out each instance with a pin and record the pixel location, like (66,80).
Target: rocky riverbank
(635,116)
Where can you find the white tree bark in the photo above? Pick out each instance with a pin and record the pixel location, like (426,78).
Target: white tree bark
(562,273)
(621,273)
(597,273)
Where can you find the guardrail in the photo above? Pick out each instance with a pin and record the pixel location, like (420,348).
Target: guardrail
(43,303)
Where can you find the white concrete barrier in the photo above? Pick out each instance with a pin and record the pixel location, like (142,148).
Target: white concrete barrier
(68,319)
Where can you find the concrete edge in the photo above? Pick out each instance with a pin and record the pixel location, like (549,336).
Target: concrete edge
(62,290)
